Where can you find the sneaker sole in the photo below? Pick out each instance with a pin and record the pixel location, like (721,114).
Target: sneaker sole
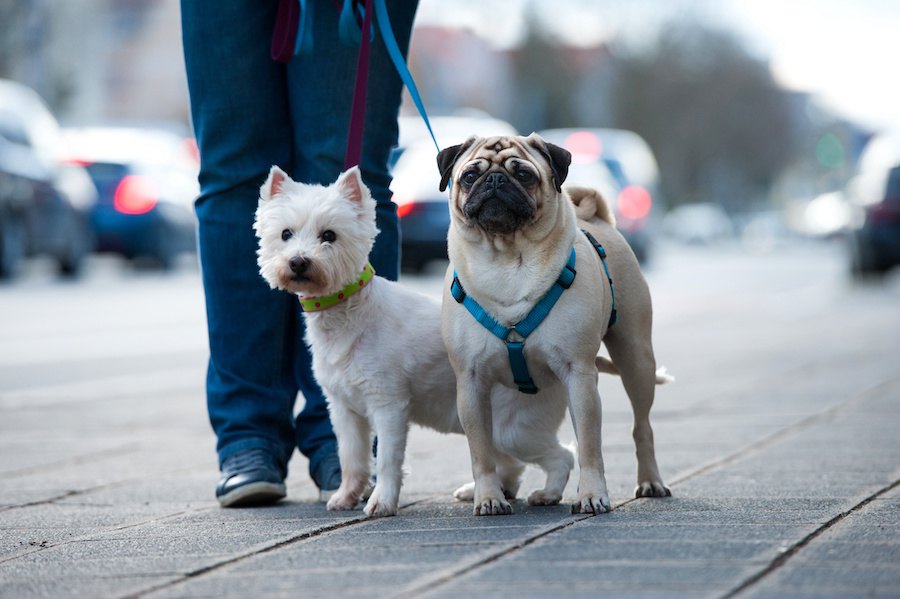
(253,494)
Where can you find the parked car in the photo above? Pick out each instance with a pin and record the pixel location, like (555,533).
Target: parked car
(875,241)
(423,209)
(43,202)
(147,182)
(698,223)
(635,197)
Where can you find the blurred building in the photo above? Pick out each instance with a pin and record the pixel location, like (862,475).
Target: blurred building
(99,60)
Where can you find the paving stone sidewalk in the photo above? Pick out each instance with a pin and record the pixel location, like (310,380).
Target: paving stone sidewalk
(779,439)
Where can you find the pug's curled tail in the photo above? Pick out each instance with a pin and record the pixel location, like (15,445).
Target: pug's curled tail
(606,365)
(590,205)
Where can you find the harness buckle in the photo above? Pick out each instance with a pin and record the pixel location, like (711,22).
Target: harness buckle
(566,277)
(457,291)
(513,336)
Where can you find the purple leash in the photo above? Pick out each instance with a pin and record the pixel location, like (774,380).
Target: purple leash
(358,110)
(293,35)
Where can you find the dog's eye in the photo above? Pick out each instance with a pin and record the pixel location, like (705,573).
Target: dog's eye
(523,176)
(286,234)
(328,236)
(469,178)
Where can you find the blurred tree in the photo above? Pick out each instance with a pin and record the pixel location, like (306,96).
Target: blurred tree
(12,36)
(543,81)
(721,127)
(37,45)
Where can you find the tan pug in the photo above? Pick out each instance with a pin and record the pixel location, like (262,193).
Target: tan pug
(512,232)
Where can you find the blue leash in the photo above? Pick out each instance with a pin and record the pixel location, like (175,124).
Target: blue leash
(350,33)
(390,42)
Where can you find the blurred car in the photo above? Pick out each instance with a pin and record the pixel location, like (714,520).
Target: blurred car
(43,202)
(876,241)
(423,209)
(699,223)
(147,182)
(625,155)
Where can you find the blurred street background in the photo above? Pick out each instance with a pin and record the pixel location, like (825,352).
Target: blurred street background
(751,149)
(761,122)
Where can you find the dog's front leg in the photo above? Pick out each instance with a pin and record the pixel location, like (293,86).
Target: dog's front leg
(390,420)
(474,405)
(352,432)
(584,407)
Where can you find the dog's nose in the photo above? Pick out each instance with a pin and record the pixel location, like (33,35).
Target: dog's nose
(495,181)
(298,264)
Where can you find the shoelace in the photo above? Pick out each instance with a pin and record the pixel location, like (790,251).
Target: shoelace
(251,459)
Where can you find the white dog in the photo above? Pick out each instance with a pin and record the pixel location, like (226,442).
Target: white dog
(377,347)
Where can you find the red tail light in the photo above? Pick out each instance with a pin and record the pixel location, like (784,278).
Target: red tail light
(887,211)
(135,195)
(77,162)
(584,146)
(404,209)
(634,202)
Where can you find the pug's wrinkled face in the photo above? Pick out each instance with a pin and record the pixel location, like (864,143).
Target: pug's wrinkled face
(500,183)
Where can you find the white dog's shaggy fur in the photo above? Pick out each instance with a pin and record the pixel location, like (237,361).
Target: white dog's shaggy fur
(378,355)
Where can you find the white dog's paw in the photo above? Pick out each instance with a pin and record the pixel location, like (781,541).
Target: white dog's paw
(379,505)
(492,506)
(342,501)
(465,492)
(544,497)
(652,489)
(592,503)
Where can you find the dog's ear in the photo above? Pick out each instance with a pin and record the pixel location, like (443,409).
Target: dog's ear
(351,186)
(558,158)
(447,158)
(274,183)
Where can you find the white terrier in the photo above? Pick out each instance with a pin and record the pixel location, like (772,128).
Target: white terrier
(377,349)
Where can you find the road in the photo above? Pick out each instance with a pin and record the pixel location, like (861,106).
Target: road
(779,440)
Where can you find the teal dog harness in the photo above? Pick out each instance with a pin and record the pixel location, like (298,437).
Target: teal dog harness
(516,346)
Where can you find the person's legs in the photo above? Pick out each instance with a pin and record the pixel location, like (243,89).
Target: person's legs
(321,94)
(243,127)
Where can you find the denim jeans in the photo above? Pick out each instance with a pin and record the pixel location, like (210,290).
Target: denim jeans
(249,113)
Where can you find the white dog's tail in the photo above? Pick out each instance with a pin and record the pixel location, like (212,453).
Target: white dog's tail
(590,205)
(606,365)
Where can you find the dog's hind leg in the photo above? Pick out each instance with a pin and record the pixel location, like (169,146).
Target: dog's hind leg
(557,462)
(352,432)
(510,470)
(637,367)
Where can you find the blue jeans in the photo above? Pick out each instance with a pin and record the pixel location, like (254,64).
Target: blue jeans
(249,113)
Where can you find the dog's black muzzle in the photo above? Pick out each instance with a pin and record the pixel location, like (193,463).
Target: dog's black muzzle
(498,206)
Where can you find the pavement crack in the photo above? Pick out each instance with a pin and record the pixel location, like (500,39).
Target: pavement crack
(778,435)
(791,551)
(183,578)
(479,560)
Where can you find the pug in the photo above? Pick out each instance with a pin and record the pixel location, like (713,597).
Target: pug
(517,237)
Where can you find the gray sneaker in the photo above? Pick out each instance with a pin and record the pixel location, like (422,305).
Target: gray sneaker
(250,478)
(327,473)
